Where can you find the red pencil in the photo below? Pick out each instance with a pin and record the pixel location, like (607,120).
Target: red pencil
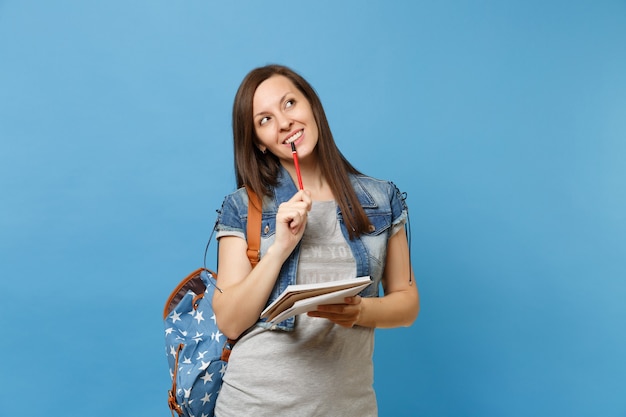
(295,162)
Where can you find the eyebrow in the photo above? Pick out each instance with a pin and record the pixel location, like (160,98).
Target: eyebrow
(280,101)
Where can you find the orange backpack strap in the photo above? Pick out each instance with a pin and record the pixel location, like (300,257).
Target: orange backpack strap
(254,227)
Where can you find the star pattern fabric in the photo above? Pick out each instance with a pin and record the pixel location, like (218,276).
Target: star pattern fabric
(197,343)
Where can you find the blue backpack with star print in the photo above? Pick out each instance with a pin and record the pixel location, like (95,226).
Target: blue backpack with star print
(197,352)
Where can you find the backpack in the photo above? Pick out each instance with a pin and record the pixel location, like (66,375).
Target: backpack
(197,352)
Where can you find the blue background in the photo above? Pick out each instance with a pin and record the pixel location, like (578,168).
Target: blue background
(505,122)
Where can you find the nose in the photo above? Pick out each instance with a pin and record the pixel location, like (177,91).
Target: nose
(284,122)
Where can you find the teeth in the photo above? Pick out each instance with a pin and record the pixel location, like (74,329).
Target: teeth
(295,137)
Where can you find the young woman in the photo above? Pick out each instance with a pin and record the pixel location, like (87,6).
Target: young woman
(343,224)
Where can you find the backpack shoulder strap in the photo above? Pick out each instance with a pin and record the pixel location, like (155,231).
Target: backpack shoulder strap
(253,231)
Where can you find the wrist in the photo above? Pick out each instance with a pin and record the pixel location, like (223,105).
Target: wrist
(276,254)
(365,318)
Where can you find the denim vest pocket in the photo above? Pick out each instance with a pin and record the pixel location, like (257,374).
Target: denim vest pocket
(380,222)
(268,225)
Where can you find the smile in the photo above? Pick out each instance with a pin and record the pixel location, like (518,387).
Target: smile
(293,137)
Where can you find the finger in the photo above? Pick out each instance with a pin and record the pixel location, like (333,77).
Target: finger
(353,300)
(290,211)
(306,198)
(299,196)
(332,308)
(289,214)
(297,221)
(340,319)
(303,196)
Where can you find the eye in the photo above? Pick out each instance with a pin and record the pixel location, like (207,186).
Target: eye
(290,103)
(263,120)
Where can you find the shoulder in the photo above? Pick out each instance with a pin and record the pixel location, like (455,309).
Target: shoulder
(375,188)
(368,181)
(237,199)
(234,209)
(379,195)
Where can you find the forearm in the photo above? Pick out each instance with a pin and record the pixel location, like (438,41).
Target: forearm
(400,305)
(396,309)
(239,305)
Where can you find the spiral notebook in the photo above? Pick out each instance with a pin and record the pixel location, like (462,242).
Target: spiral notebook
(300,298)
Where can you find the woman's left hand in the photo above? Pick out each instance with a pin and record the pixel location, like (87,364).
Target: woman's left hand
(345,315)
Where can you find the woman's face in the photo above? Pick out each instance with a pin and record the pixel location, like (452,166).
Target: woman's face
(283,115)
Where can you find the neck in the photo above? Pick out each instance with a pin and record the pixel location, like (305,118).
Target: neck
(312,180)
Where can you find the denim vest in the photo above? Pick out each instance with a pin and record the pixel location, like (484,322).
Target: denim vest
(383,203)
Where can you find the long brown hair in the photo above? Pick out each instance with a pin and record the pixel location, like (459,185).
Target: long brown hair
(259,171)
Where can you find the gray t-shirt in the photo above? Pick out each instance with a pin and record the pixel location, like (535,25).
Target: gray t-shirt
(319,369)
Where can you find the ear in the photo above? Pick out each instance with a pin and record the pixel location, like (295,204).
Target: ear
(262,148)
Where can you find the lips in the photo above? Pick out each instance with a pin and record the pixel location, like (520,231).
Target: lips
(293,137)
